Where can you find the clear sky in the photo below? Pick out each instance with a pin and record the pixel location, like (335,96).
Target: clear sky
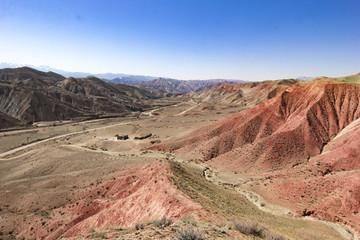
(194,39)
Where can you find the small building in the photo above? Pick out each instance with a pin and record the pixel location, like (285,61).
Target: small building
(122,136)
(143,136)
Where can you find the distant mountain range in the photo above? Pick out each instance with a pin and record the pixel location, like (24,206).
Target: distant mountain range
(163,84)
(184,86)
(304,78)
(118,77)
(28,95)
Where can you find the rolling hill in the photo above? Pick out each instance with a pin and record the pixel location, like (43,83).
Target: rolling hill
(183,86)
(247,94)
(305,140)
(30,95)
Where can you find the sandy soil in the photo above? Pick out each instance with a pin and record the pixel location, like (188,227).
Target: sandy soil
(243,186)
(41,183)
(43,177)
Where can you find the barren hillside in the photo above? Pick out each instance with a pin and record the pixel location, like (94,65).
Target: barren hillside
(307,132)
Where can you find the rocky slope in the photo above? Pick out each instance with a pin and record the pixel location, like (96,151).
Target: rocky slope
(307,134)
(327,186)
(123,201)
(140,92)
(28,76)
(29,95)
(7,121)
(284,130)
(183,86)
(246,94)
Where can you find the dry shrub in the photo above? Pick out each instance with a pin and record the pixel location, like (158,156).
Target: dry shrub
(139,226)
(268,235)
(189,233)
(257,230)
(189,220)
(99,235)
(249,228)
(163,222)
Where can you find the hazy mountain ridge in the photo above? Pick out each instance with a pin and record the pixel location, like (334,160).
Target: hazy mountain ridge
(304,78)
(114,77)
(163,84)
(31,95)
(184,86)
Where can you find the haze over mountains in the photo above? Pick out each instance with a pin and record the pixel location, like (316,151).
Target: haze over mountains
(118,77)
(164,84)
(30,95)
(184,86)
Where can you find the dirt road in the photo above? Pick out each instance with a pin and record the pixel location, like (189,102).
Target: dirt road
(149,113)
(4,154)
(261,203)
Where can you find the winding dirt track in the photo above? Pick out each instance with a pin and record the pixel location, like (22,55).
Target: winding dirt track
(185,111)
(4,154)
(256,199)
(149,113)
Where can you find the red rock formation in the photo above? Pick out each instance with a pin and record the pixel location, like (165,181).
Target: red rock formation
(245,94)
(140,195)
(328,185)
(309,134)
(281,132)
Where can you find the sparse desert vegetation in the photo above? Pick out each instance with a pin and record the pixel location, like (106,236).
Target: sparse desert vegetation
(163,222)
(179,120)
(83,181)
(189,233)
(225,202)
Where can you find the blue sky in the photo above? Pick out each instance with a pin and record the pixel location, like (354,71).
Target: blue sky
(198,39)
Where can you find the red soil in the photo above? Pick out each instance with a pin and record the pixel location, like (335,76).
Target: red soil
(294,135)
(246,94)
(259,85)
(140,195)
(281,132)
(328,186)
